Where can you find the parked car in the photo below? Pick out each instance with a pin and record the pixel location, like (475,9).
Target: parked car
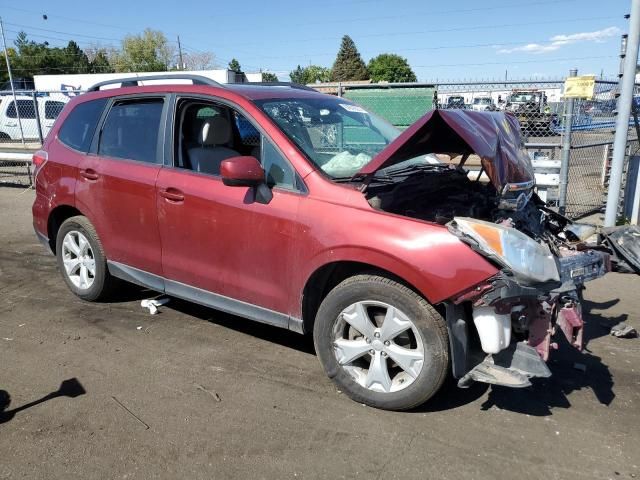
(483,104)
(533,111)
(306,212)
(456,101)
(10,125)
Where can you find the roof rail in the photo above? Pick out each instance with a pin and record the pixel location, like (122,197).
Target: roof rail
(279,84)
(133,81)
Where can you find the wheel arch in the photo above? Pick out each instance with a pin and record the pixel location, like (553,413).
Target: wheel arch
(56,218)
(329,275)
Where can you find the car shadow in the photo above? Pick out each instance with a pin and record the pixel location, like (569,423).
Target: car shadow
(571,371)
(70,388)
(269,333)
(130,292)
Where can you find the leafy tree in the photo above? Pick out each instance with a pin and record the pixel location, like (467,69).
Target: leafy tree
(310,74)
(147,52)
(389,67)
(348,64)
(234,66)
(100,63)
(269,77)
(199,60)
(30,58)
(297,75)
(71,58)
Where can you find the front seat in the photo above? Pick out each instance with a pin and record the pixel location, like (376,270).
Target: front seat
(214,137)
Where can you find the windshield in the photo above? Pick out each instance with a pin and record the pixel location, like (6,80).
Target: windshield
(339,137)
(481,101)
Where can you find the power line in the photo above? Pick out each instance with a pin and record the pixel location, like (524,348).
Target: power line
(59,32)
(546,60)
(429,13)
(442,30)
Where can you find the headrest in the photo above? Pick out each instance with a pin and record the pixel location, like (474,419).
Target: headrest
(215,131)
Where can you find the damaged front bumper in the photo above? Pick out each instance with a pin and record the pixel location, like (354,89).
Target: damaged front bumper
(515,322)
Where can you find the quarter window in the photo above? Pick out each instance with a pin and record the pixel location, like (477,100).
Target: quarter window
(52,109)
(131,130)
(77,130)
(277,170)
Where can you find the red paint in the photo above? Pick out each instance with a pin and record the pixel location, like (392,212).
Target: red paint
(194,229)
(243,170)
(570,322)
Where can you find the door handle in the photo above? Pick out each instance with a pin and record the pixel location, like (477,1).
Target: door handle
(172,194)
(89,174)
(11,124)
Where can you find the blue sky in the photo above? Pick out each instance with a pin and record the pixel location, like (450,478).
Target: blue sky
(443,40)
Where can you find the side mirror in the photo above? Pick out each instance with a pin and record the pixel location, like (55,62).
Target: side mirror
(244,171)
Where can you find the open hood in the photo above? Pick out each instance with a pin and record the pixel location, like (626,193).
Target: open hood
(493,136)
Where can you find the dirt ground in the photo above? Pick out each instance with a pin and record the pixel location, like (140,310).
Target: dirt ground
(194,393)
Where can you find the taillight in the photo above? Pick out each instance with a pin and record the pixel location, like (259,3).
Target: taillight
(38,160)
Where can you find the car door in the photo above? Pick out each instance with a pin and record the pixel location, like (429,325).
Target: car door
(116,181)
(26,125)
(222,239)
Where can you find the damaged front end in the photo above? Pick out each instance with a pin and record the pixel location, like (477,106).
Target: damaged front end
(516,317)
(502,330)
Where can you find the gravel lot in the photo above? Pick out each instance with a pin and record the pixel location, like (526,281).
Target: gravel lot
(194,393)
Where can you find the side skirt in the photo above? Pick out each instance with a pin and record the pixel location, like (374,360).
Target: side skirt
(204,297)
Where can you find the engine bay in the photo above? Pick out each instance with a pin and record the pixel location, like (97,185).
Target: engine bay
(441,193)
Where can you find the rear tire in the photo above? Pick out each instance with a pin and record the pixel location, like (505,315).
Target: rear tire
(394,359)
(82,261)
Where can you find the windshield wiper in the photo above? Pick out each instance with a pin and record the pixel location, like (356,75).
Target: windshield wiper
(413,168)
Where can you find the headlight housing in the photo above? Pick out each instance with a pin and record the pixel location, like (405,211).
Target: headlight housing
(526,258)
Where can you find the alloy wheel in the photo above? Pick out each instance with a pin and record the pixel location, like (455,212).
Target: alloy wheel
(78,259)
(379,346)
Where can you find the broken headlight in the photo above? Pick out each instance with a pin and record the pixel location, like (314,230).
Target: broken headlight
(525,257)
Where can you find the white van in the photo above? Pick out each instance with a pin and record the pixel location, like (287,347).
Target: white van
(49,108)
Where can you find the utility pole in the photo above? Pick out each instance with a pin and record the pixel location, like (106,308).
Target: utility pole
(624,112)
(180,54)
(13,90)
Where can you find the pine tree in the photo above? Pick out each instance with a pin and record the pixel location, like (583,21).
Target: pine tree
(348,65)
(234,66)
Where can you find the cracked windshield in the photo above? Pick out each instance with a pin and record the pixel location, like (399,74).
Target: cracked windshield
(338,136)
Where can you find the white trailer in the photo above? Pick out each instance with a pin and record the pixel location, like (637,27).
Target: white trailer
(78,82)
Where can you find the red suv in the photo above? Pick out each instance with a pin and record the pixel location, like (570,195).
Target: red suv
(304,211)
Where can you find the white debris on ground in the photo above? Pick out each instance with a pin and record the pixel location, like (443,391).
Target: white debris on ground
(153,303)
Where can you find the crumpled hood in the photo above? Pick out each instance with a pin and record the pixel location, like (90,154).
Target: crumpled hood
(493,136)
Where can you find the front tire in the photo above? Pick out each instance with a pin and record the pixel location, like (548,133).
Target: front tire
(381,343)
(81,260)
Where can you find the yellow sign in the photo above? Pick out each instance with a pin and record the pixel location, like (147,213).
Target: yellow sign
(579,87)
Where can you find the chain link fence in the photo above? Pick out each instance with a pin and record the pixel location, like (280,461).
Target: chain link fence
(544,118)
(25,120)
(539,106)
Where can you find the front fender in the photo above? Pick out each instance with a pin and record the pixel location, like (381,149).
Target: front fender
(437,273)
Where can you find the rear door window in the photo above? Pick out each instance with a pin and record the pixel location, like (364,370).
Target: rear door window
(25,109)
(78,128)
(130,130)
